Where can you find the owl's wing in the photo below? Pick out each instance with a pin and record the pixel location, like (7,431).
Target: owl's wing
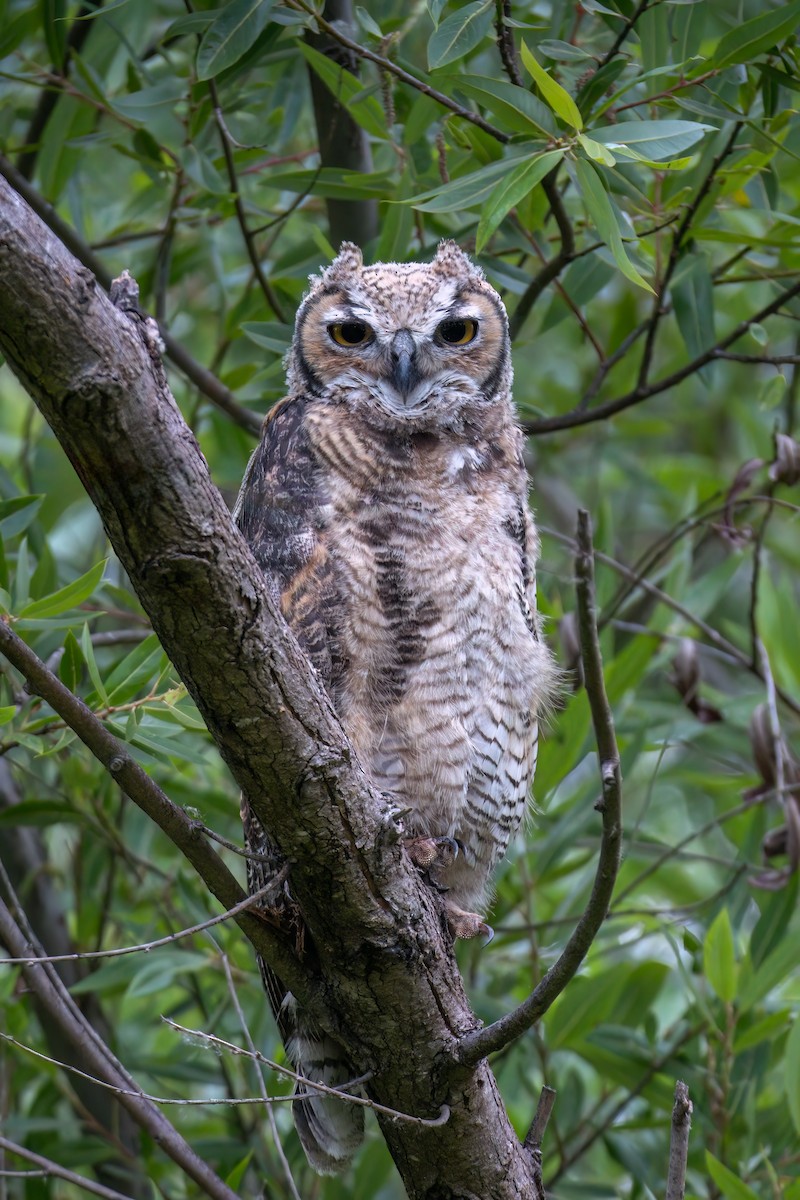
(279,511)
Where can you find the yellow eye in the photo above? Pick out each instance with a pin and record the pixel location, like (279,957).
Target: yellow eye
(350,333)
(457,333)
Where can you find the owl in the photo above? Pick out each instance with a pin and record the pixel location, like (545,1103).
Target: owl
(387,507)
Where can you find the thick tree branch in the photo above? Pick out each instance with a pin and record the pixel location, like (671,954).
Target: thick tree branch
(477,1045)
(384,980)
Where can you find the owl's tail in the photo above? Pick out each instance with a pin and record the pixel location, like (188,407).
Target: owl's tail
(330,1130)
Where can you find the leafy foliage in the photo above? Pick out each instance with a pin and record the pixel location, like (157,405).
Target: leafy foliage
(627,175)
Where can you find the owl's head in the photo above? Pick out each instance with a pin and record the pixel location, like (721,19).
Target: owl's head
(410,345)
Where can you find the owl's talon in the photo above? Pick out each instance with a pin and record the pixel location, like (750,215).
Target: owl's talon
(424,851)
(467,925)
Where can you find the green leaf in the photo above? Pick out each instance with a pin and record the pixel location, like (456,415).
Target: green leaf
(67,597)
(729,1184)
(459,33)
(791,1073)
(17,513)
(770,928)
(465,192)
(744,42)
(54,25)
(552,92)
(515,106)
(596,151)
(692,295)
(91,664)
(719,960)
(777,967)
(142,664)
(42,813)
(71,665)
(334,184)
(7,713)
(231,35)
(511,190)
(601,212)
(365,109)
(655,140)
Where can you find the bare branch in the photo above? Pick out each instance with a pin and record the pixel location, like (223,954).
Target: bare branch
(250,901)
(679,1143)
(55,1170)
(580,416)
(54,997)
(475,1046)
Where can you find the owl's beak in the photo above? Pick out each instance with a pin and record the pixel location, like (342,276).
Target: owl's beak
(405,373)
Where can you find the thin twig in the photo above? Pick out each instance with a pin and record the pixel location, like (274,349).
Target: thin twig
(475,1046)
(273,1124)
(579,416)
(241,215)
(679,1143)
(50,1168)
(360,1101)
(146,947)
(675,250)
(48,988)
(552,269)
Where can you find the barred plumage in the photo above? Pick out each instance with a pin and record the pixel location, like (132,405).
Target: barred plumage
(387,505)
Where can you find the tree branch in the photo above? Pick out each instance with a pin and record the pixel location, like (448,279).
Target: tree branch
(54,1169)
(679,1143)
(62,1010)
(475,1046)
(580,416)
(185,833)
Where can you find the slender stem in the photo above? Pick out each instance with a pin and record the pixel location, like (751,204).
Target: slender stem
(679,1143)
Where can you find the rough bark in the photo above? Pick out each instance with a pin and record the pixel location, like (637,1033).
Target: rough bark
(375,966)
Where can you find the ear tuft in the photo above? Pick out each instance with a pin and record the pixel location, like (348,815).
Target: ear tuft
(450,256)
(347,261)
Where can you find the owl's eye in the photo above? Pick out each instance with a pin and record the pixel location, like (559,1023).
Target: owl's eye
(457,333)
(350,333)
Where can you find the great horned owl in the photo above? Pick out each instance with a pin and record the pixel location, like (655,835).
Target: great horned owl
(387,506)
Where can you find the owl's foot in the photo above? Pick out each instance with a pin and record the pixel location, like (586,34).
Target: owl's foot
(466,924)
(424,851)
